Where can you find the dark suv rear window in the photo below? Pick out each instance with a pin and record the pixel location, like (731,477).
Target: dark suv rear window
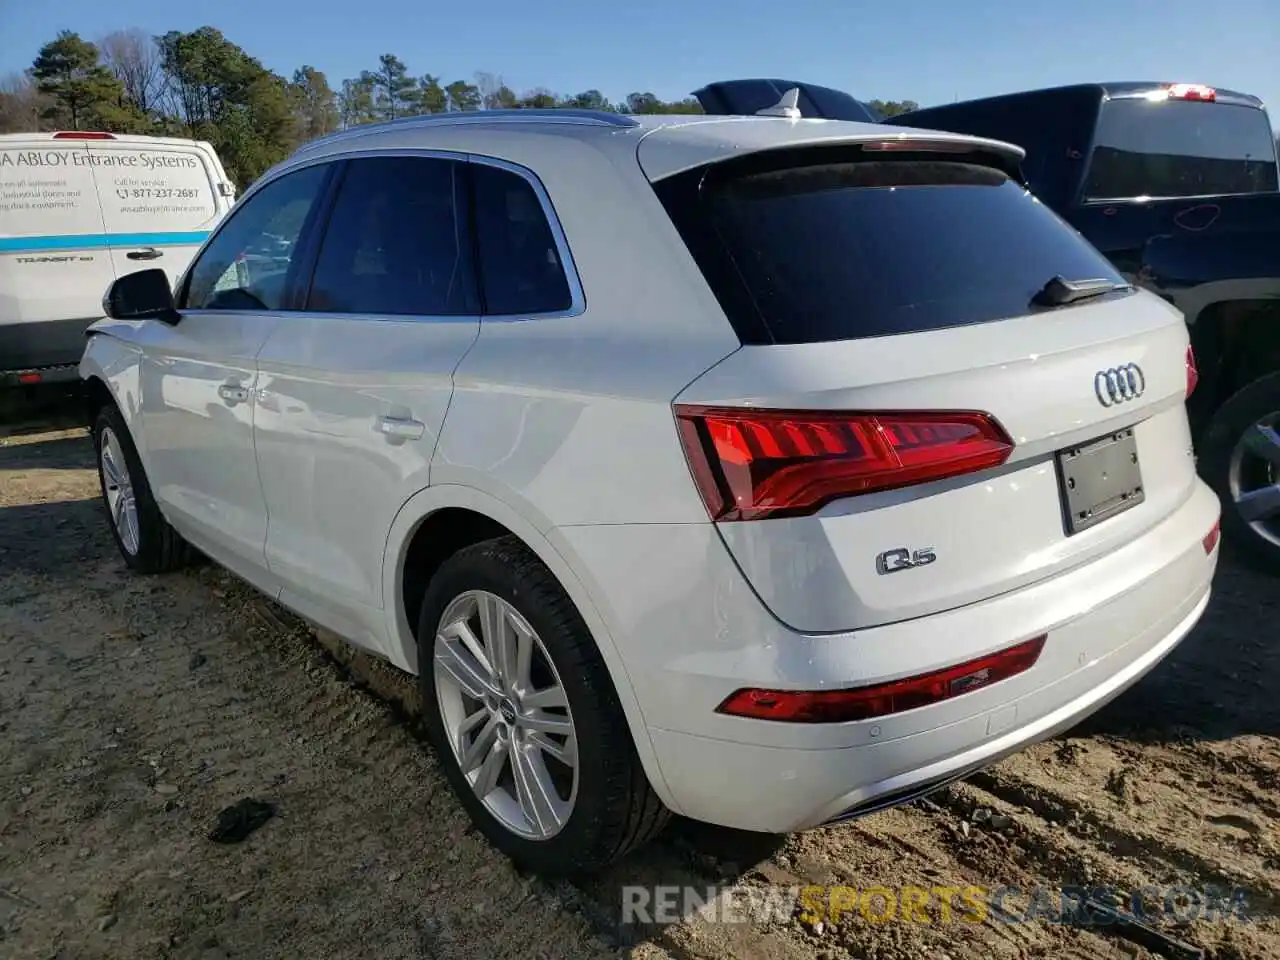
(1180,148)
(841,250)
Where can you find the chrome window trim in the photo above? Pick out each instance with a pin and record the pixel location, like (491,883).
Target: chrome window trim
(577,296)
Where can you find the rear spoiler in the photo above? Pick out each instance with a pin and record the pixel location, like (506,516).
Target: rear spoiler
(748,97)
(789,98)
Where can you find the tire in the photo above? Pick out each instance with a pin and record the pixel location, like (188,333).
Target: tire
(151,545)
(613,808)
(1228,466)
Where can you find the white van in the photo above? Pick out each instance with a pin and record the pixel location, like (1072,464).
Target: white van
(78,210)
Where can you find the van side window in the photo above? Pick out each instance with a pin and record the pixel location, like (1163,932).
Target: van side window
(246,265)
(153,195)
(519,264)
(395,244)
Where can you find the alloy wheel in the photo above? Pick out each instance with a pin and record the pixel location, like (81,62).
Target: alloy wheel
(1253,478)
(122,504)
(506,714)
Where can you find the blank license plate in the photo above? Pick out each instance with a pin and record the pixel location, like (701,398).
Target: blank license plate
(1100,479)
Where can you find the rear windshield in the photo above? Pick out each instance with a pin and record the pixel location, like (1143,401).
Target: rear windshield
(843,250)
(1180,148)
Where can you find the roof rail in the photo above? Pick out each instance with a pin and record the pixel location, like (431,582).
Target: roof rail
(600,118)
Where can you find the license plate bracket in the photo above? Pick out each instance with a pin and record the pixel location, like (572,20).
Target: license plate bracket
(1099,479)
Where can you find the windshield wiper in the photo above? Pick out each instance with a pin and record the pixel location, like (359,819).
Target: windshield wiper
(1060,291)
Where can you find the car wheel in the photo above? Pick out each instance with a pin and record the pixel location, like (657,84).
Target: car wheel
(145,539)
(524,717)
(1241,460)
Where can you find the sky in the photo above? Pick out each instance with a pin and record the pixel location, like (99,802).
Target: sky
(930,51)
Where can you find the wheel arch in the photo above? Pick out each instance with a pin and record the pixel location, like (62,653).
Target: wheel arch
(455,500)
(109,370)
(1236,342)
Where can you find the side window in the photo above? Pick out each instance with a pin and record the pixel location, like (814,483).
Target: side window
(520,269)
(395,245)
(246,265)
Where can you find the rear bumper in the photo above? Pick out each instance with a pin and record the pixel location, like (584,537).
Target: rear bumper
(42,346)
(821,786)
(700,634)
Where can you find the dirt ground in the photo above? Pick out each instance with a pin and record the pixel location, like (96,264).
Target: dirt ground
(133,709)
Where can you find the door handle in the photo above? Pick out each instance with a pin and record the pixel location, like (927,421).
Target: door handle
(232,393)
(151,253)
(401,428)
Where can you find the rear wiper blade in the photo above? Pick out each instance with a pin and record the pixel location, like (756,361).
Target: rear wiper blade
(1060,291)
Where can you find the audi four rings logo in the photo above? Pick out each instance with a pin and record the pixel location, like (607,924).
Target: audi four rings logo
(1119,384)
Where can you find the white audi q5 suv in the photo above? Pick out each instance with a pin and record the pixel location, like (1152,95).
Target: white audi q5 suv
(768,471)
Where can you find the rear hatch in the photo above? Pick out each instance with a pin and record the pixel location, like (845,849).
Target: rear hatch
(914,421)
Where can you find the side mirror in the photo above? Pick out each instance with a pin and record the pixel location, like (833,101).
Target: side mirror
(145,295)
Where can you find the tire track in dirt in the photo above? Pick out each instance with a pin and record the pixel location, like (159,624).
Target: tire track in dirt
(1178,854)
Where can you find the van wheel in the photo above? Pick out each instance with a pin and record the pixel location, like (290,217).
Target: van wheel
(143,536)
(1241,460)
(523,715)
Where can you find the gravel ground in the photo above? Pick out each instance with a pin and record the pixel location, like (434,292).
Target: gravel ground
(133,709)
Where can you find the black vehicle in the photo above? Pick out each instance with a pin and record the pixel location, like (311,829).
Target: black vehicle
(1177,185)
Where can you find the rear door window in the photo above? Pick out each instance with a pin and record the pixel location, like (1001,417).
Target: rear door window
(1180,148)
(841,250)
(395,244)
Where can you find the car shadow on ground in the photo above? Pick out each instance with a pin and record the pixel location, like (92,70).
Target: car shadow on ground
(32,410)
(73,452)
(53,540)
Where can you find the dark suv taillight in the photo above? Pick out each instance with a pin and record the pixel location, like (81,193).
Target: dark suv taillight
(752,464)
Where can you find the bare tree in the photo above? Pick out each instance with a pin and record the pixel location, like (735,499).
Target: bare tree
(21,104)
(486,83)
(132,56)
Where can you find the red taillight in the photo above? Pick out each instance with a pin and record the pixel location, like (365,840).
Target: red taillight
(83,135)
(1191,91)
(751,464)
(29,378)
(1211,538)
(1193,373)
(864,703)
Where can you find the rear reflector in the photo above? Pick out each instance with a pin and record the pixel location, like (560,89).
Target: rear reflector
(865,703)
(1193,372)
(752,464)
(1211,538)
(29,378)
(83,135)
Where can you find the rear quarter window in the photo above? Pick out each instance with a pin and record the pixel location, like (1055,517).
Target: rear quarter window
(520,269)
(864,248)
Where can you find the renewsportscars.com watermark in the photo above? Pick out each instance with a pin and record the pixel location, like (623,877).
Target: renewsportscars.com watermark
(932,904)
